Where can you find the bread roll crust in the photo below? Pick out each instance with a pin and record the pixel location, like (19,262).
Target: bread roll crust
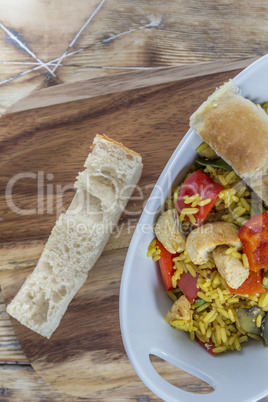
(128,150)
(237,130)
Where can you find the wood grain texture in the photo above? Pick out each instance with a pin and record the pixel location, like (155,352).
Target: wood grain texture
(10,350)
(119,83)
(85,357)
(122,35)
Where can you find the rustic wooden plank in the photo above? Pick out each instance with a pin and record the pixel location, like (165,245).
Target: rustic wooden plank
(17,89)
(22,380)
(124,82)
(20,254)
(45,19)
(18,380)
(10,349)
(122,35)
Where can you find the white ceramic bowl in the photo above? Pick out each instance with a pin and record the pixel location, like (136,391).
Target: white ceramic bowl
(235,376)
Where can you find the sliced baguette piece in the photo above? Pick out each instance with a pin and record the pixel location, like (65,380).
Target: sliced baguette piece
(237,130)
(79,236)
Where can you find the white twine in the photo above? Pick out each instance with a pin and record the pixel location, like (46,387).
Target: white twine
(79,33)
(24,47)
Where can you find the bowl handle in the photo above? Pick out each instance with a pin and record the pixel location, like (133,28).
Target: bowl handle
(171,393)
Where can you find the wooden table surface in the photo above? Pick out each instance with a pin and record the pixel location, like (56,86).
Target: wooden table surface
(45,43)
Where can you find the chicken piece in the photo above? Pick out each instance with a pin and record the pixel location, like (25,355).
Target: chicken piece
(180,310)
(202,240)
(230,268)
(167,231)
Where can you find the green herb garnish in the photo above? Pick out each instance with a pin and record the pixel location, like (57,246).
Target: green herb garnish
(217,163)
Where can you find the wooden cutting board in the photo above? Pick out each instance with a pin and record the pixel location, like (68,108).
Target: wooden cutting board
(47,136)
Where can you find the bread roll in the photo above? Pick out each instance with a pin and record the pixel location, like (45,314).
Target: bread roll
(79,236)
(237,130)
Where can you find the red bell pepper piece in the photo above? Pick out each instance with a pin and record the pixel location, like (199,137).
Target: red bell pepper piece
(166,265)
(254,237)
(199,183)
(187,284)
(252,285)
(209,346)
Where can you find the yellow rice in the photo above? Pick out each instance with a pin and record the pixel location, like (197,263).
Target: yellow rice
(217,320)
(154,251)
